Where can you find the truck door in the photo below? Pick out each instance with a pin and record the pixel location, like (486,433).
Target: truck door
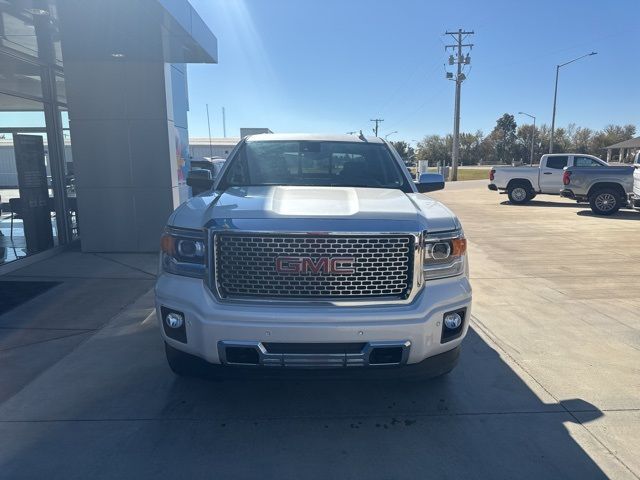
(551,174)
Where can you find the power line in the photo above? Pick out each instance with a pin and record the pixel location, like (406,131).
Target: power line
(408,116)
(377,120)
(459,60)
(403,87)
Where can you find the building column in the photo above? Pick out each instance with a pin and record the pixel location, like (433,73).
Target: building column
(127,114)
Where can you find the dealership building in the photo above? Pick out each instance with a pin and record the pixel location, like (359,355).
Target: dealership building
(93,107)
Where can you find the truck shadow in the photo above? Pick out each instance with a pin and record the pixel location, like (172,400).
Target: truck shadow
(480,421)
(620,215)
(538,203)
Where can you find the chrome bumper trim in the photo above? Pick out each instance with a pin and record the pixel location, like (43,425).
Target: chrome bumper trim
(314,360)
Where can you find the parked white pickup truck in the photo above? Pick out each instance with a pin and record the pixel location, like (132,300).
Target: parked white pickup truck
(314,252)
(634,197)
(524,183)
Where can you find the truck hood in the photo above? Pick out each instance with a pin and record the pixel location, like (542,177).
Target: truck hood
(315,206)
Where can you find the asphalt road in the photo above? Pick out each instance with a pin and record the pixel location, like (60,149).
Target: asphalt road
(547,386)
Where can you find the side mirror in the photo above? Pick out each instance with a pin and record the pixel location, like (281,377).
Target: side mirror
(430,182)
(200,180)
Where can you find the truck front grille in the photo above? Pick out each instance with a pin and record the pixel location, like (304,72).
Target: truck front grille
(375,266)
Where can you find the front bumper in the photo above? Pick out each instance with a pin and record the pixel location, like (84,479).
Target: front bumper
(211,323)
(634,201)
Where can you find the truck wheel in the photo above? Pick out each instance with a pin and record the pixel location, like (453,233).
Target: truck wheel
(605,202)
(519,194)
(182,364)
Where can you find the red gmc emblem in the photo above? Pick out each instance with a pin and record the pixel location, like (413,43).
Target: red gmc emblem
(318,266)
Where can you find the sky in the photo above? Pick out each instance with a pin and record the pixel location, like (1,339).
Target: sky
(329,66)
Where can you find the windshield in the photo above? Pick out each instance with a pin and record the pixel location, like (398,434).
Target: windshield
(316,163)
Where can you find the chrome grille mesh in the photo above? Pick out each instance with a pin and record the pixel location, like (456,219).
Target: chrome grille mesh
(245,265)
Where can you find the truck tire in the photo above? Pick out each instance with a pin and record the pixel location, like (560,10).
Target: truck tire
(519,193)
(605,201)
(181,363)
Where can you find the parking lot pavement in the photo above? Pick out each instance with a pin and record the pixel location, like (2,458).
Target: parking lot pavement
(547,386)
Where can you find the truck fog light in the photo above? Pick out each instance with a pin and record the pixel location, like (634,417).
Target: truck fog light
(452,320)
(174,320)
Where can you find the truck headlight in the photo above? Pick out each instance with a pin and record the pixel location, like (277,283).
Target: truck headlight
(183,252)
(444,254)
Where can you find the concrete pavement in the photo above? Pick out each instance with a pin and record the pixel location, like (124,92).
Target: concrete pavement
(92,290)
(547,386)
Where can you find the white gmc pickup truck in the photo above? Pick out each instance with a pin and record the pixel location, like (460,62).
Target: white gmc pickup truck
(314,252)
(522,184)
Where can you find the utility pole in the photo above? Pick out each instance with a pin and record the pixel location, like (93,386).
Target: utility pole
(224,124)
(209,127)
(377,120)
(459,59)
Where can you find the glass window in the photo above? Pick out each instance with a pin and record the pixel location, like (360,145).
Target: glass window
(29,180)
(315,163)
(69,179)
(20,77)
(557,163)
(64,115)
(30,27)
(20,112)
(19,34)
(586,162)
(28,219)
(61,89)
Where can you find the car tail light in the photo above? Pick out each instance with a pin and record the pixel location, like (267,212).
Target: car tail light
(492,174)
(566,177)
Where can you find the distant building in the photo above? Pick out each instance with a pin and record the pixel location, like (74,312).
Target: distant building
(626,150)
(200,147)
(8,171)
(253,131)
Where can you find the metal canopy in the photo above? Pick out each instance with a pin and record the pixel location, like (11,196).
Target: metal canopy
(167,31)
(631,143)
(191,41)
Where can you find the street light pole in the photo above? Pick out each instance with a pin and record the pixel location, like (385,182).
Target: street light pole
(533,137)
(389,134)
(533,134)
(553,117)
(555,95)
